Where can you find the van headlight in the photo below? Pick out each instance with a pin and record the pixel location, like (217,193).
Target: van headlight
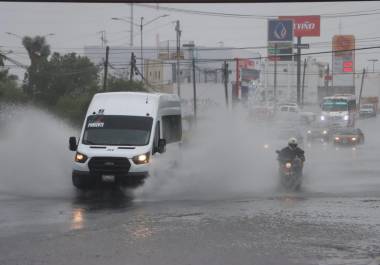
(345,117)
(324,132)
(323,118)
(141,159)
(308,131)
(80,158)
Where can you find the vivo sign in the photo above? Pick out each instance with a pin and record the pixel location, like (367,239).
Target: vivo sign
(305,25)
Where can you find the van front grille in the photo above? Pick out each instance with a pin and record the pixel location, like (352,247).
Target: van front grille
(109,165)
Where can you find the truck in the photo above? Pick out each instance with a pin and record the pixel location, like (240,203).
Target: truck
(339,110)
(121,134)
(368,106)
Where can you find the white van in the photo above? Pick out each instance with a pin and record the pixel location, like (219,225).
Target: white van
(121,133)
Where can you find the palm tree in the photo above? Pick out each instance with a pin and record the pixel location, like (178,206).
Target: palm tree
(38,51)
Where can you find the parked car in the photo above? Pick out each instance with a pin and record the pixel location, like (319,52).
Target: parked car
(348,136)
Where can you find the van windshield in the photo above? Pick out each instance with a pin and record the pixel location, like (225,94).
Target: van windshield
(117,130)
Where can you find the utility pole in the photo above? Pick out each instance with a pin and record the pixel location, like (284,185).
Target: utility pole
(194,90)
(361,87)
(178,31)
(235,92)
(298,69)
(133,66)
(275,74)
(106,69)
(225,70)
(141,44)
(131,26)
(303,81)
(327,74)
(103,38)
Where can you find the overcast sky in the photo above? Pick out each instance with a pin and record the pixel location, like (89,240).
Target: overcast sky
(77,24)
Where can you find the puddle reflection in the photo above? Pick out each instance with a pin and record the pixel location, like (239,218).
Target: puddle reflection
(77,219)
(102,199)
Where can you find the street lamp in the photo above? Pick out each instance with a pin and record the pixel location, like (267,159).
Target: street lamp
(131,31)
(141,26)
(141,40)
(13,34)
(18,36)
(373,63)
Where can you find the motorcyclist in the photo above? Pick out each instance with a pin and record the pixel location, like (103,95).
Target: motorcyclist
(291,151)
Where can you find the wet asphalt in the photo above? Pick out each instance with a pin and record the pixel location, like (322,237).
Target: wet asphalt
(334,219)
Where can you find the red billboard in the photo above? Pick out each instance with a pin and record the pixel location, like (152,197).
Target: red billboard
(305,26)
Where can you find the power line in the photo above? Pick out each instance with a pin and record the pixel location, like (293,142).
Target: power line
(255,16)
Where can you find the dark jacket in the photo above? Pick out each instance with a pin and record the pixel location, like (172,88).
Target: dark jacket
(289,154)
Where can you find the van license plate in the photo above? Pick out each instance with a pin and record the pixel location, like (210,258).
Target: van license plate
(108,178)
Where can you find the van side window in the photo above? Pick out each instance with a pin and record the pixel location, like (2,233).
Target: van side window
(156,135)
(172,128)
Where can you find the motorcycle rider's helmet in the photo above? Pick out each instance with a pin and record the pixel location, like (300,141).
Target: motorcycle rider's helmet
(292,143)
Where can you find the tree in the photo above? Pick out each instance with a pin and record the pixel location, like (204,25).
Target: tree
(38,51)
(69,75)
(9,90)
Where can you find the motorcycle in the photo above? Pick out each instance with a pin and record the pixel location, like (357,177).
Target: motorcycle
(290,172)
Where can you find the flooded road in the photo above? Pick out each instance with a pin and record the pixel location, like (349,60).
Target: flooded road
(210,214)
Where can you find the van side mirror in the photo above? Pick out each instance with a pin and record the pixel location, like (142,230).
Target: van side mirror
(161,146)
(73,143)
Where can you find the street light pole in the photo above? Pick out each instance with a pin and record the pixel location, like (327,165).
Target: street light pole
(131,26)
(141,45)
(141,26)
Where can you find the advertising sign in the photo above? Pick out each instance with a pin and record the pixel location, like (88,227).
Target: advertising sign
(284,51)
(280,30)
(343,58)
(342,43)
(305,26)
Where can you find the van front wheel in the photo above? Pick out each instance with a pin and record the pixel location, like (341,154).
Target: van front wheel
(82,182)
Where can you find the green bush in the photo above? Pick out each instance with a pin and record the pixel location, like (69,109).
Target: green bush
(10,92)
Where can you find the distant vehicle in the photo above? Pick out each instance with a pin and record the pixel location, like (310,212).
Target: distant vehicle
(367,110)
(289,108)
(318,131)
(121,133)
(339,110)
(348,136)
(371,100)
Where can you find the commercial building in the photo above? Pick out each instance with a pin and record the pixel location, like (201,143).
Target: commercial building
(286,85)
